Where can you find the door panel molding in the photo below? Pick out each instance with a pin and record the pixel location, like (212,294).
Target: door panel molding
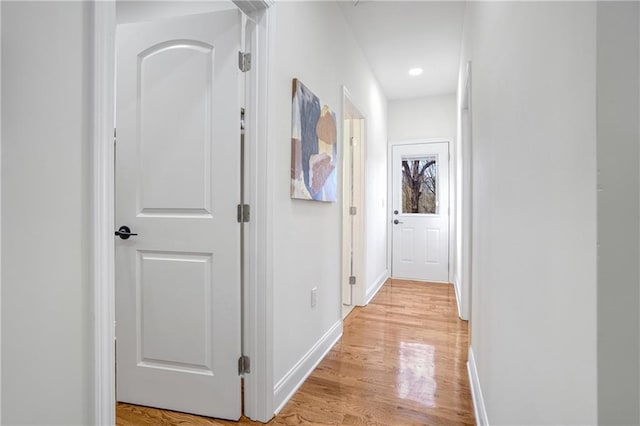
(258,297)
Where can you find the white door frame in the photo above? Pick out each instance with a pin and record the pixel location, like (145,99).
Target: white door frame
(447,140)
(258,333)
(350,108)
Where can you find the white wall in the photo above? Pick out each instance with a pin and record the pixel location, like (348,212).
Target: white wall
(46,323)
(429,117)
(422,118)
(311,41)
(533,320)
(618,213)
(376,261)
(142,11)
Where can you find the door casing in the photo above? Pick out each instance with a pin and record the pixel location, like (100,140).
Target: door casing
(354,115)
(258,332)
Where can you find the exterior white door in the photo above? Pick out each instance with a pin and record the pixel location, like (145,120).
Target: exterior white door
(421,212)
(177,188)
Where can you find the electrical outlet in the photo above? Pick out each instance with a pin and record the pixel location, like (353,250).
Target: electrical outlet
(314,297)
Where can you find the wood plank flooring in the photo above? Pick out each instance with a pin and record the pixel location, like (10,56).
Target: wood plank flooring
(401,361)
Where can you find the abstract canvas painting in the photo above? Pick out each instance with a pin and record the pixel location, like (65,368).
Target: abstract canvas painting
(314,147)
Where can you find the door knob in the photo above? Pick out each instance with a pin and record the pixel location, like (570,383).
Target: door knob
(124,232)
(397,221)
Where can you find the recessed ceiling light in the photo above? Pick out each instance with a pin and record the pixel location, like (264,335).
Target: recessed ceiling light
(415,71)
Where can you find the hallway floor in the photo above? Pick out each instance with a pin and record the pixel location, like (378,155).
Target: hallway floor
(401,361)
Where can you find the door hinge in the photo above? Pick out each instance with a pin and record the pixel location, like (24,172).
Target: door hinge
(244,61)
(244,365)
(353,210)
(244,213)
(352,280)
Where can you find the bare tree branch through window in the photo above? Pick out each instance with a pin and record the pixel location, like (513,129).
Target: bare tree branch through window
(419,185)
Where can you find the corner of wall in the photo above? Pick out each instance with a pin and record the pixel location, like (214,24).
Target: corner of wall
(456,286)
(375,287)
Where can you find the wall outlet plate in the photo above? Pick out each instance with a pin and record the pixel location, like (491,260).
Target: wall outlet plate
(314,297)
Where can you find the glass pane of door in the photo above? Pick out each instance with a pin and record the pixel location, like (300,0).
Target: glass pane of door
(420,185)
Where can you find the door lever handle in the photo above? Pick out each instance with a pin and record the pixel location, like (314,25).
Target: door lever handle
(125,232)
(397,222)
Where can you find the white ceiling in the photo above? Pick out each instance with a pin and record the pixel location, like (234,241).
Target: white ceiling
(398,35)
(394,35)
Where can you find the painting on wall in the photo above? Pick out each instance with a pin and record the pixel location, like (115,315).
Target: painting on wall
(314,147)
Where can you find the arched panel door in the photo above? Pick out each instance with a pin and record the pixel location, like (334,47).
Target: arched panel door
(177,188)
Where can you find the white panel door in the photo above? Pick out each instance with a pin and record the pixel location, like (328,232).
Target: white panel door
(177,188)
(421,211)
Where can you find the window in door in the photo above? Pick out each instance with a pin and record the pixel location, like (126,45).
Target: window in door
(420,185)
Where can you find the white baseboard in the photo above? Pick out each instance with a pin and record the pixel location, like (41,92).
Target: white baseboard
(373,290)
(289,384)
(476,392)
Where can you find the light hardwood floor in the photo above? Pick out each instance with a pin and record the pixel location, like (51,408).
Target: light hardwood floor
(401,361)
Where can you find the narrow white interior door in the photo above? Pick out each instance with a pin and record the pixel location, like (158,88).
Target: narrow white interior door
(353,209)
(177,188)
(421,211)
(348,230)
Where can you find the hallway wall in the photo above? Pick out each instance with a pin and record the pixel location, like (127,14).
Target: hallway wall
(422,118)
(46,318)
(533,324)
(618,213)
(311,41)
